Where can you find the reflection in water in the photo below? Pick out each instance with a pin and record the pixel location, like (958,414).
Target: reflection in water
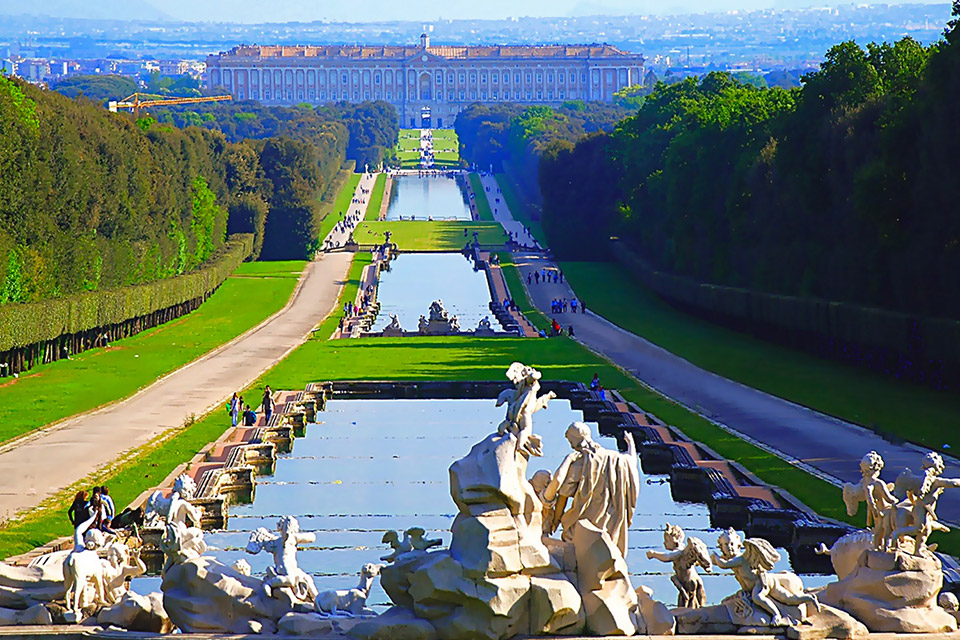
(437,197)
(417,279)
(375,465)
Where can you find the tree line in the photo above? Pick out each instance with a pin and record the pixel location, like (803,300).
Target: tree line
(842,189)
(91,200)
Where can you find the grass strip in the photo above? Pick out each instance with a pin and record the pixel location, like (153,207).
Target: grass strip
(94,378)
(376,197)
(423,235)
(480,198)
(520,209)
(909,410)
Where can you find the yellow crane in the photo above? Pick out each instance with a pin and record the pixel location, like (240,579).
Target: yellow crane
(139,101)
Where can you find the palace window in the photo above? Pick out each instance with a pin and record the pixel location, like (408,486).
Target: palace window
(461,95)
(266,95)
(583,77)
(240,94)
(346,96)
(516,78)
(549,77)
(561,94)
(539,95)
(549,95)
(483,95)
(356,95)
(377,94)
(254,94)
(560,77)
(494,95)
(539,77)
(310,95)
(528,95)
(528,78)
(483,77)
(450,96)
(495,77)
(366,95)
(473,78)
(389,95)
(323,95)
(506,78)
(343,79)
(473,95)
(376,78)
(439,77)
(450,77)
(461,78)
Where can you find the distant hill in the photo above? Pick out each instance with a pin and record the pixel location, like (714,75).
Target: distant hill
(99,10)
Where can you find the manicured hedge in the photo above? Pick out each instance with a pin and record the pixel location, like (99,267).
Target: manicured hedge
(34,322)
(895,342)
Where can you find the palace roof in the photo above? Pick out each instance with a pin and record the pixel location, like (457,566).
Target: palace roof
(402,52)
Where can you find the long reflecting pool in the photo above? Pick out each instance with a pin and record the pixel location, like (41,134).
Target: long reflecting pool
(372,466)
(437,197)
(417,279)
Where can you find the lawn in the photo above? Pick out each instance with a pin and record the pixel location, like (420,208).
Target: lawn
(340,206)
(423,235)
(480,198)
(911,411)
(376,197)
(91,379)
(520,210)
(409,140)
(409,159)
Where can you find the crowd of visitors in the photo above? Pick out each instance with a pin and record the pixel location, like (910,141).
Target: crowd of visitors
(98,509)
(349,220)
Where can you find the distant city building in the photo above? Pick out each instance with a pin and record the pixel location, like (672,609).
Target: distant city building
(429,85)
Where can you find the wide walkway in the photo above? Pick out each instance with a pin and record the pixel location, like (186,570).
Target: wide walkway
(339,235)
(45,462)
(501,212)
(820,444)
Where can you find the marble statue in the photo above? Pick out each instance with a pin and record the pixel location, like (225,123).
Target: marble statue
(243,567)
(175,508)
(923,505)
(285,573)
(393,330)
(439,322)
(522,402)
(484,328)
(348,602)
(876,493)
(685,559)
(82,568)
(181,543)
(419,542)
(423,325)
(121,563)
(398,546)
(437,312)
(752,561)
(601,486)
(540,481)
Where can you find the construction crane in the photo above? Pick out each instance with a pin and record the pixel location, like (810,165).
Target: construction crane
(143,100)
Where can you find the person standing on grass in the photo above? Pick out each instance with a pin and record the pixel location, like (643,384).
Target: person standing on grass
(595,383)
(267,404)
(79,511)
(234,408)
(109,508)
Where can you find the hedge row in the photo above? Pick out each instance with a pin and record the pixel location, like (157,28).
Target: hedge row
(31,323)
(917,339)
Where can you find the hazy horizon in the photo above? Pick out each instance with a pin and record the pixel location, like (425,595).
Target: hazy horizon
(426,11)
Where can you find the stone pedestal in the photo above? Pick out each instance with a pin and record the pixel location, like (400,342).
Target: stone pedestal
(893,592)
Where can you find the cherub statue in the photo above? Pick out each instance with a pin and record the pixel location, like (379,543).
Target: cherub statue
(285,573)
(875,492)
(923,505)
(181,543)
(522,402)
(418,542)
(399,547)
(177,507)
(752,561)
(685,560)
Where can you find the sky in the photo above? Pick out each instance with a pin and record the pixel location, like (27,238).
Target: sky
(425,11)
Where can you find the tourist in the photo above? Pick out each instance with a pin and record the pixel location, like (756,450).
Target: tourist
(536,276)
(249,416)
(570,331)
(109,508)
(595,383)
(603,394)
(573,305)
(234,408)
(528,279)
(267,404)
(583,307)
(95,508)
(79,511)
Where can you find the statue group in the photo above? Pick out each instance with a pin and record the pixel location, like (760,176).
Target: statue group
(540,553)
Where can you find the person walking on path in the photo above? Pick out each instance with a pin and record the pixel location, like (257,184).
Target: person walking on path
(267,405)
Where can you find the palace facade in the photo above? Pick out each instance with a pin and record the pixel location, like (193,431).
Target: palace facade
(428,85)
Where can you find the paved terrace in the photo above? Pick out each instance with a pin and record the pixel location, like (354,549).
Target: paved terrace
(823,445)
(47,461)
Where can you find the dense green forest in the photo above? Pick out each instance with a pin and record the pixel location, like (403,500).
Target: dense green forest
(372,126)
(91,200)
(842,189)
(512,137)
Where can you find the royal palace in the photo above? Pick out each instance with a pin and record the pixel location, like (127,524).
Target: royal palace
(429,85)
